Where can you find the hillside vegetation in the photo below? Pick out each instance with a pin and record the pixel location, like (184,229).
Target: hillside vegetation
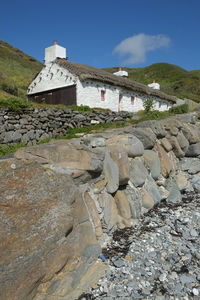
(16,71)
(173,80)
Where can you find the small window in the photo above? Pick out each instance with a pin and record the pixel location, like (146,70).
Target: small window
(132,100)
(160,104)
(103,95)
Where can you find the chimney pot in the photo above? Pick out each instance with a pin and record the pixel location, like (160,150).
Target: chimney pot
(120,68)
(55,43)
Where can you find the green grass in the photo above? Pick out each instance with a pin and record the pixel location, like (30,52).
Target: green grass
(14,104)
(172,79)
(16,70)
(8,149)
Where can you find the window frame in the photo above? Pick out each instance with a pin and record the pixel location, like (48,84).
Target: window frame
(132,100)
(103,95)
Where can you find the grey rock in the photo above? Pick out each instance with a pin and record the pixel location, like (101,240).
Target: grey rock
(146,136)
(191,165)
(138,172)
(135,201)
(193,150)
(152,189)
(156,126)
(183,142)
(174,193)
(111,172)
(196,182)
(12,137)
(118,263)
(152,161)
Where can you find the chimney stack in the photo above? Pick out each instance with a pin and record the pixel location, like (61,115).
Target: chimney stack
(53,52)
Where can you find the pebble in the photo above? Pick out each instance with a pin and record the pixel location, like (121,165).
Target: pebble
(163,256)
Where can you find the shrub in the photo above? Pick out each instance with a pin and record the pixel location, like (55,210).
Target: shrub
(181,109)
(14,104)
(148,104)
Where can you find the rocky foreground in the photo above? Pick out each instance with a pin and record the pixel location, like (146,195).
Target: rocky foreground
(158,258)
(61,202)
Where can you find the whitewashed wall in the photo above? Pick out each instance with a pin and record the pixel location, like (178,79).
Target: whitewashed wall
(51,77)
(89,93)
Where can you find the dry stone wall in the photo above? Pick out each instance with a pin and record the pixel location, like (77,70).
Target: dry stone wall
(89,187)
(33,125)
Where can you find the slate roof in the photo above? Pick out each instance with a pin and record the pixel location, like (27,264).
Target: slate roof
(85,72)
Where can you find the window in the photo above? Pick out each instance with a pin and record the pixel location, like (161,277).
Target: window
(119,104)
(160,104)
(132,100)
(103,95)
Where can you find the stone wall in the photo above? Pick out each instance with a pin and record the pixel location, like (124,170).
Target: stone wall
(34,125)
(63,200)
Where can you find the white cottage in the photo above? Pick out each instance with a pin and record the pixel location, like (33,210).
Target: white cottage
(63,82)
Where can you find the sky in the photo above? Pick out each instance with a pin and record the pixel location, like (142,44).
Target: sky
(112,33)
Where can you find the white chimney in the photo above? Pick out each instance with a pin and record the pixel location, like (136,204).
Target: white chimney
(53,52)
(121,73)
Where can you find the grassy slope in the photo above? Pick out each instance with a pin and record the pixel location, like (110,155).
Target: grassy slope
(16,70)
(173,79)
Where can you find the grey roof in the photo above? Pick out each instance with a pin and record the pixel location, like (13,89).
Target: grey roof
(85,72)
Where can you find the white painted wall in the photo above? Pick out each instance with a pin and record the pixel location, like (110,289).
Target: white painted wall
(52,76)
(89,93)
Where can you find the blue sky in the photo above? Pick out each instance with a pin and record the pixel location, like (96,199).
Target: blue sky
(132,33)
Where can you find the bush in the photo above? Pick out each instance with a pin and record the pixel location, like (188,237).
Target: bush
(181,109)
(14,104)
(148,104)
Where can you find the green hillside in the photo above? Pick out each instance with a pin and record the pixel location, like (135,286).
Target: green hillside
(173,80)
(16,71)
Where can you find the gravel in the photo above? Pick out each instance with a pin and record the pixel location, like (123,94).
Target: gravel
(158,258)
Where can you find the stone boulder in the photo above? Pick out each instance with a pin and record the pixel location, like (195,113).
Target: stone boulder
(46,232)
(146,136)
(111,172)
(181,181)
(183,142)
(193,150)
(110,211)
(138,172)
(166,144)
(147,200)
(156,126)
(191,133)
(165,162)
(130,144)
(174,192)
(120,157)
(66,154)
(135,201)
(152,189)
(176,147)
(152,162)
(190,164)
(123,205)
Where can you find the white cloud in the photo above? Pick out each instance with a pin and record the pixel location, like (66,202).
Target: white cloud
(136,47)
